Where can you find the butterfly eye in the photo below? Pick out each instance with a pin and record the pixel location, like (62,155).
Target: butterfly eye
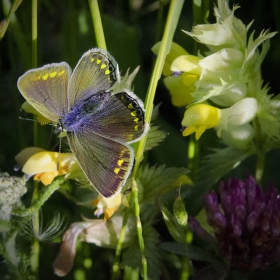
(59,127)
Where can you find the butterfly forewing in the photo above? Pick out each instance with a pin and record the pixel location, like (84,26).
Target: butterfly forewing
(45,89)
(105,162)
(95,72)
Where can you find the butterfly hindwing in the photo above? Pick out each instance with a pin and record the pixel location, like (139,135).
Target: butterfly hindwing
(105,162)
(95,72)
(45,89)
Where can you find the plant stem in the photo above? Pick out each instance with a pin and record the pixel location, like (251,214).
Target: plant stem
(171,24)
(97,24)
(35,253)
(260,149)
(41,199)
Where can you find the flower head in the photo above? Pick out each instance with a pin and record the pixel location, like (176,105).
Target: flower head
(227,76)
(107,206)
(45,165)
(200,117)
(246,223)
(11,190)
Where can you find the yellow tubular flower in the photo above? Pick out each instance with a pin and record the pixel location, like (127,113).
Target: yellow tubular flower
(198,118)
(175,51)
(188,64)
(47,165)
(181,88)
(107,206)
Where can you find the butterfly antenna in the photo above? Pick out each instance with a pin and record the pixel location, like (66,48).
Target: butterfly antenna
(27,119)
(32,120)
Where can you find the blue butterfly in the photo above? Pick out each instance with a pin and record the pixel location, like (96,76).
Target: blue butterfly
(99,122)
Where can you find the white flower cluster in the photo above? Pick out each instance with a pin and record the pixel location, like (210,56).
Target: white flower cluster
(228,80)
(11,191)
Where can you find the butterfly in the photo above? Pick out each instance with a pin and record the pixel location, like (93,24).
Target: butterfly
(100,123)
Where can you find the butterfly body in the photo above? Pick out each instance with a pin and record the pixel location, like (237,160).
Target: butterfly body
(84,113)
(99,123)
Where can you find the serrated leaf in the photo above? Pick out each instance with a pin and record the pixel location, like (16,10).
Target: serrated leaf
(132,256)
(213,167)
(154,137)
(157,179)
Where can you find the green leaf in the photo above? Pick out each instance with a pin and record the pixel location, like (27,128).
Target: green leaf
(190,251)
(154,138)
(132,256)
(213,167)
(177,231)
(157,179)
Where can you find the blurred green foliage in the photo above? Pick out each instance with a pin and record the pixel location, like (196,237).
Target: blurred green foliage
(131,28)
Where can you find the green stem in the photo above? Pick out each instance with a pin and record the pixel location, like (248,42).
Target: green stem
(185,270)
(4,24)
(97,24)
(171,24)
(35,253)
(261,152)
(200,11)
(139,228)
(193,156)
(159,21)
(116,265)
(41,199)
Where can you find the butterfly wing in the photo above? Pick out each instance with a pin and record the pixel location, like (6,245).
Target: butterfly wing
(119,117)
(95,72)
(45,89)
(105,162)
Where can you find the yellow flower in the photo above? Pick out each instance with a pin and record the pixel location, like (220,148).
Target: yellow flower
(107,206)
(187,64)
(181,85)
(181,88)
(44,165)
(175,51)
(198,118)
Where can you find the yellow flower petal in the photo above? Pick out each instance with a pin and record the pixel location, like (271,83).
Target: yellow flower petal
(107,206)
(48,162)
(189,130)
(47,177)
(41,162)
(175,51)
(109,212)
(188,64)
(22,157)
(200,117)
(180,90)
